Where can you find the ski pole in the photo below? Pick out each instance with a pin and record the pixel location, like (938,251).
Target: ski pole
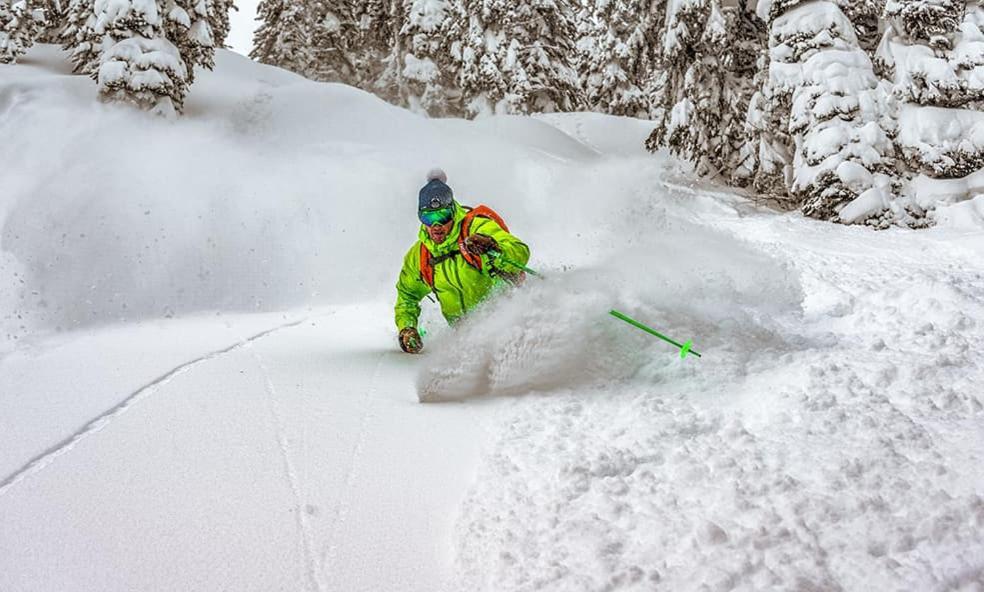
(685,348)
(507,261)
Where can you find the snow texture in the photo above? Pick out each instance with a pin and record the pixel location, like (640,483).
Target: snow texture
(200,366)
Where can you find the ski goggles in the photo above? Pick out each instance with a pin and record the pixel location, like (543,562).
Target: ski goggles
(436,217)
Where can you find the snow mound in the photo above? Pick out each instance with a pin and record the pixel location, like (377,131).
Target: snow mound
(255,200)
(609,135)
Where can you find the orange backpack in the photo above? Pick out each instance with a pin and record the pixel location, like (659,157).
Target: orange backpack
(427,261)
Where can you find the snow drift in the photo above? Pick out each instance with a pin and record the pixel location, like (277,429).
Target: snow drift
(272,192)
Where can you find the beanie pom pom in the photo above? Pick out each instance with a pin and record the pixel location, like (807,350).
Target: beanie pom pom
(438,174)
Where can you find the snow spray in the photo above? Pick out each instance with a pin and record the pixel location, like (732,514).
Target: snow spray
(685,348)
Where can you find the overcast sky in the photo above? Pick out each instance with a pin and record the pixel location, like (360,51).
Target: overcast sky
(241,26)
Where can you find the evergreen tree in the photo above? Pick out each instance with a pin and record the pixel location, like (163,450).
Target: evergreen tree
(137,63)
(933,53)
(824,98)
(865,16)
(616,43)
(518,57)
(219,19)
(379,24)
(928,32)
(80,38)
(337,39)
(926,21)
(708,58)
(540,56)
(188,26)
(21,22)
(422,73)
(148,50)
(482,81)
(147,72)
(284,38)
(54,17)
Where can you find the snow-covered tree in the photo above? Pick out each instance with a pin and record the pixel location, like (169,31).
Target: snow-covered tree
(518,57)
(865,15)
(143,51)
(188,26)
(617,40)
(219,19)
(422,73)
(708,60)
(147,56)
(379,24)
(80,38)
(928,21)
(840,119)
(284,38)
(138,64)
(482,81)
(147,72)
(337,40)
(823,121)
(934,51)
(54,16)
(21,23)
(539,58)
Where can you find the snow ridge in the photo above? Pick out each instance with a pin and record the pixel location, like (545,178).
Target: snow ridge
(43,460)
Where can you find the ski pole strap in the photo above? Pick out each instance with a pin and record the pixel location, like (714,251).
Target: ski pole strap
(684,347)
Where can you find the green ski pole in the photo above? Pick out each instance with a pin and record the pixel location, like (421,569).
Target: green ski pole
(685,348)
(507,261)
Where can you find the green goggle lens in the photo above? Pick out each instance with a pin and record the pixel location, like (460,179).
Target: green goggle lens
(438,217)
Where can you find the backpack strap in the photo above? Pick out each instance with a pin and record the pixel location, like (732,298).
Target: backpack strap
(428,261)
(426,266)
(478,211)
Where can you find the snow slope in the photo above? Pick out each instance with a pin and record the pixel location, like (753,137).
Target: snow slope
(295,457)
(201,388)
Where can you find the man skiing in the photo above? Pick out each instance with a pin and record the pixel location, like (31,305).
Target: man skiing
(459,256)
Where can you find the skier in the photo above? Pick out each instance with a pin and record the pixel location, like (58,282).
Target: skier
(458,256)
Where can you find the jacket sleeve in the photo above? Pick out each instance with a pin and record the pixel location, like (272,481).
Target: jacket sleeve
(410,289)
(511,247)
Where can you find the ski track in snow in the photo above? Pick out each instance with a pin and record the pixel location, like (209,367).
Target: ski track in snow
(94,426)
(329,553)
(314,575)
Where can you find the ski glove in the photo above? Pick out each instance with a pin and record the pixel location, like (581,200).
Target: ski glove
(478,244)
(410,341)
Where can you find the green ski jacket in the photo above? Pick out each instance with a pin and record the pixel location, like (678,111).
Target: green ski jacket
(459,287)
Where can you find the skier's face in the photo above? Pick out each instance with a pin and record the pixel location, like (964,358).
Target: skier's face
(439,232)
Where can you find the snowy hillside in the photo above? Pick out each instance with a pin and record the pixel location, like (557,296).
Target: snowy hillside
(200,387)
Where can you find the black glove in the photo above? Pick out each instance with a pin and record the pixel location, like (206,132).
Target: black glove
(410,341)
(478,244)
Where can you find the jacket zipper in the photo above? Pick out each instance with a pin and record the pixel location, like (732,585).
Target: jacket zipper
(459,288)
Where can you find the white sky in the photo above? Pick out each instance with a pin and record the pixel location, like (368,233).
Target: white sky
(242,24)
